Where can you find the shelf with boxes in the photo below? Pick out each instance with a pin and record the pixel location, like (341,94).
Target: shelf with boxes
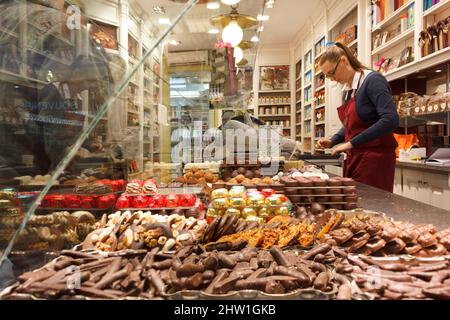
(435,35)
(345,31)
(393,35)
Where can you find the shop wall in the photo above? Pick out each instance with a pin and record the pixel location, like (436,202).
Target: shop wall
(105,11)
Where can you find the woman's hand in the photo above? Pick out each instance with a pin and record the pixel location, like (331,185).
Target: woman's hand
(342,148)
(324,144)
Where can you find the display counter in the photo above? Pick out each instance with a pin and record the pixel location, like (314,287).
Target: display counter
(401,208)
(418,165)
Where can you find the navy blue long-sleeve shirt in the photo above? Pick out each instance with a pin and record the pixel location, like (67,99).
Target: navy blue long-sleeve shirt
(375,106)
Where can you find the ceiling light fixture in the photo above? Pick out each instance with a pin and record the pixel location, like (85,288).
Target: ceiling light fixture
(238,55)
(232,33)
(233,25)
(213,31)
(230,2)
(214,5)
(438,71)
(164,21)
(261,17)
(254,39)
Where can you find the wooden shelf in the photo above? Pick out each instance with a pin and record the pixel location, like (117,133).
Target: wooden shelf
(298,90)
(298,101)
(320,88)
(19,79)
(393,16)
(320,107)
(320,54)
(308,85)
(308,119)
(274,104)
(298,111)
(318,72)
(437,8)
(132,111)
(352,44)
(393,42)
(319,123)
(415,67)
(298,78)
(273,115)
(52,57)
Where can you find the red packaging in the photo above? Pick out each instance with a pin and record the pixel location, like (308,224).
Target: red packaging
(87,202)
(186,200)
(123,202)
(139,202)
(72,201)
(151,202)
(105,202)
(53,201)
(117,185)
(159,201)
(172,200)
(268,192)
(120,184)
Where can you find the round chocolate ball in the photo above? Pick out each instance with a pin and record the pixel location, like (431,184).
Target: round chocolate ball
(317,208)
(241,170)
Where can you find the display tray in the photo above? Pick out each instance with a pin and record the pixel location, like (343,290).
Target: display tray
(156,209)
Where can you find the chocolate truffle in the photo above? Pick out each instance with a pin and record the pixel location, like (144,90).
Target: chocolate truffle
(348,182)
(317,182)
(333,182)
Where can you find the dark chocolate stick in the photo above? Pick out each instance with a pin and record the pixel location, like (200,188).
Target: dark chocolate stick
(157,281)
(279,257)
(325,247)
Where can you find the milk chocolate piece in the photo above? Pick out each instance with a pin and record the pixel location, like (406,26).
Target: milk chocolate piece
(279,257)
(322,248)
(321,281)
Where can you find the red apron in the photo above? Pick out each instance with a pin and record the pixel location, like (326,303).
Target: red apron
(372,163)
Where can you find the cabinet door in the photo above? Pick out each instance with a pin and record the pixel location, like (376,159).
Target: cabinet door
(413,186)
(398,183)
(439,189)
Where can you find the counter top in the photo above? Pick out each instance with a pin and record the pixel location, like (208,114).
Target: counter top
(423,167)
(401,208)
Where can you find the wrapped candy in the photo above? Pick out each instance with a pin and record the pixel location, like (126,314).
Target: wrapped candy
(246,212)
(281,211)
(139,202)
(263,212)
(237,192)
(106,202)
(186,200)
(221,203)
(268,192)
(254,218)
(72,201)
(233,211)
(274,200)
(159,201)
(255,200)
(137,181)
(123,202)
(212,213)
(172,200)
(133,188)
(219,193)
(238,203)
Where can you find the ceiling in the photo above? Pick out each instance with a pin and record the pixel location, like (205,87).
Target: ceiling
(287,17)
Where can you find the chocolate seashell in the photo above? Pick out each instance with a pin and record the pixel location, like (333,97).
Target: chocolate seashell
(192,212)
(317,208)
(241,170)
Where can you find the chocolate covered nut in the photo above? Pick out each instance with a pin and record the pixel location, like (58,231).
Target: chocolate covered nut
(279,257)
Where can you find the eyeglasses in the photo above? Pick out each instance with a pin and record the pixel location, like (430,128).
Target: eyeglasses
(332,73)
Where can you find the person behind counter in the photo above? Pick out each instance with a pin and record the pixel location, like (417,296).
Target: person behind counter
(60,118)
(369,117)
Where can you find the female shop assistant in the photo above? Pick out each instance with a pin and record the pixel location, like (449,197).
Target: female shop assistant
(368,115)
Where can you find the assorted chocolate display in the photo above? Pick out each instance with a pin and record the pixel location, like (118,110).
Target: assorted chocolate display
(261,237)
(305,189)
(251,205)
(140,230)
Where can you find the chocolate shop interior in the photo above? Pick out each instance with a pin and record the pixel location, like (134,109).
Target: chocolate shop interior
(173,149)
